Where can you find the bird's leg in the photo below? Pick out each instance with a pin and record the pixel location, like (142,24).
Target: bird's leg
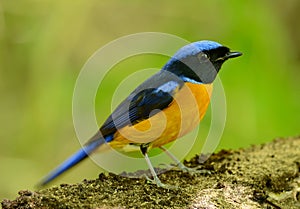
(144,149)
(178,163)
(181,166)
(153,173)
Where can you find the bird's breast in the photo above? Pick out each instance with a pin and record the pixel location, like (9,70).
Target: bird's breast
(180,117)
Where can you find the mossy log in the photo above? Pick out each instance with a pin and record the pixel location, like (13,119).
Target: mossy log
(262,176)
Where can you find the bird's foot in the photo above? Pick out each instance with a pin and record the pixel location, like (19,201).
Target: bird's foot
(182,167)
(157,182)
(195,170)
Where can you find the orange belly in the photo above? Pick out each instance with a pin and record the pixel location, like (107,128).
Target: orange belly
(179,118)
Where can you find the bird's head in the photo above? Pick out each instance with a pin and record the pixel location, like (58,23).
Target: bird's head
(199,62)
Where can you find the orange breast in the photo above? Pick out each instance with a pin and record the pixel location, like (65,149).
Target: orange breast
(180,117)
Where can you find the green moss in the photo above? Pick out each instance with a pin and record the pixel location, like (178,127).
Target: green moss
(255,177)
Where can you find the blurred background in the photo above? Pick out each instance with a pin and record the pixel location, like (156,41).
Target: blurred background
(44,45)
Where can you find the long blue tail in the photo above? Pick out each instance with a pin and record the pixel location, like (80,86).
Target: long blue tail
(72,161)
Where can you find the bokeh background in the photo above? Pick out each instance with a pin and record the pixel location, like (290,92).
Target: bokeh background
(44,45)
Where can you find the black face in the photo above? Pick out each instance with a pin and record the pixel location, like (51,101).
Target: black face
(217,56)
(202,67)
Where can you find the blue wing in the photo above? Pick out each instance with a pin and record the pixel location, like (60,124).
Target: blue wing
(135,108)
(142,101)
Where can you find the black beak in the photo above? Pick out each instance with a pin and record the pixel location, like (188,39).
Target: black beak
(232,55)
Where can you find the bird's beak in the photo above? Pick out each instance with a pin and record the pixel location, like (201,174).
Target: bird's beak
(232,55)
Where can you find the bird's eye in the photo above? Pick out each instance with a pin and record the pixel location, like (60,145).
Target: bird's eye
(203,57)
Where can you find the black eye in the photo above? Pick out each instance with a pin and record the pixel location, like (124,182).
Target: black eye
(203,57)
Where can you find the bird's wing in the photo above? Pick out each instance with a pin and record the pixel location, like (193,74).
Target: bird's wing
(156,93)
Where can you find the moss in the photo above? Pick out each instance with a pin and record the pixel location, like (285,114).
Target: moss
(264,176)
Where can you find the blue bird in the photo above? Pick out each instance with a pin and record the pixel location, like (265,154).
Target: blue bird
(180,93)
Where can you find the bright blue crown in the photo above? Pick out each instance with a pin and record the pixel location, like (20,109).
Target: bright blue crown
(195,48)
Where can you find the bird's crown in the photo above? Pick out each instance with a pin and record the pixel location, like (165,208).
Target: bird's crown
(195,48)
(200,61)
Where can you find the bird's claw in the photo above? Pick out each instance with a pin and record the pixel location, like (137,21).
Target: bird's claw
(157,182)
(195,170)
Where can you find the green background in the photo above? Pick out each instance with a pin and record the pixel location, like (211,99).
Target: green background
(44,45)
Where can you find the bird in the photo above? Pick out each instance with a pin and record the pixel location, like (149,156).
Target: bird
(165,107)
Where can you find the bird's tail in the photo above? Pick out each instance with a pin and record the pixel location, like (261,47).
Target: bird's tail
(72,160)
